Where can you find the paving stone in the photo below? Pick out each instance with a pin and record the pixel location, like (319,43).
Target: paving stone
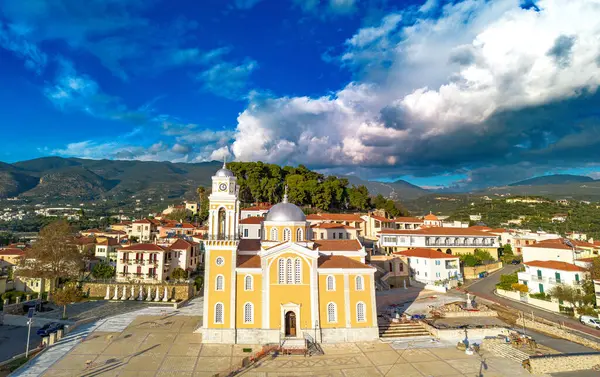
(435,368)
(362,372)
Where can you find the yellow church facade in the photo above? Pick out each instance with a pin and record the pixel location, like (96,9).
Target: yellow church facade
(284,285)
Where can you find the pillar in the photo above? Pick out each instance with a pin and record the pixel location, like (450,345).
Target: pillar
(59,334)
(107,296)
(52,338)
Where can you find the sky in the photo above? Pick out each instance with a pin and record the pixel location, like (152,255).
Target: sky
(461,94)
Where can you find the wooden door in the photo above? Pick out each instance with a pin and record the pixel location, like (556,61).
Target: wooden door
(290,324)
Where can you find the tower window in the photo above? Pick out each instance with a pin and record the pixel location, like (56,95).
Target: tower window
(248,283)
(274,234)
(287,234)
(359,283)
(299,234)
(219,313)
(248,313)
(220,283)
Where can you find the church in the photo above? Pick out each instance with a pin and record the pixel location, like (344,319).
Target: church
(284,285)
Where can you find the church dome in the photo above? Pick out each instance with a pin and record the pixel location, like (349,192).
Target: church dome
(224,172)
(285,211)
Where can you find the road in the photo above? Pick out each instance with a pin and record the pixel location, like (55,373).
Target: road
(484,288)
(13,340)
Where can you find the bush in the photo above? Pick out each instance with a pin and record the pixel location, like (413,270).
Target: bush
(179,274)
(506,281)
(199,282)
(12,296)
(103,270)
(587,310)
(566,310)
(518,287)
(541,296)
(469,260)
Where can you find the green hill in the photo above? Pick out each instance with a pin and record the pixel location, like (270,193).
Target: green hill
(398,190)
(556,179)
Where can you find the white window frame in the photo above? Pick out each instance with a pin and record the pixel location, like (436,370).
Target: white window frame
(364,313)
(297,271)
(274,235)
(328,286)
(289,271)
(251,306)
(248,278)
(287,234)
(222,283)
(281,271)
(222,321)
(299,234)
(361,286)
(334,312)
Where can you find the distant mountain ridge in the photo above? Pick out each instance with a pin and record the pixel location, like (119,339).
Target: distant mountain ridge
(555,179)
(398,190)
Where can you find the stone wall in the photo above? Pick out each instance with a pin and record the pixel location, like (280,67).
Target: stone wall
(473,272)
(467,313)
(183,291)
(563,362)
(17,308)
(343,335)
(552,306)
(557,332)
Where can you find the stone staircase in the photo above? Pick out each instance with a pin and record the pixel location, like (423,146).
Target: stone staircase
(392,330)
(293,347)
(507,351)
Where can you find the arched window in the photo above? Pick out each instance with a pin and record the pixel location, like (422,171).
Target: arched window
(221,223)
(299,234)
(248,283)
(330,283)
(359,283)
(287,234)
(220,283)
(331,313)
(281,271)
(297,271)
(273,234)
(219,313)
(248,313)
(360,312)
(289,273)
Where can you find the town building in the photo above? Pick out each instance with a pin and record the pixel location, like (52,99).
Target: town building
(143,230)
(186,255)
(540,276)
(283,285)
(172,229)
(559,250)
(432,220)
(453,241)
(559,218)
(257,210)
(144,262)
(106,250)
(333,231)
(251,227)
(429,266)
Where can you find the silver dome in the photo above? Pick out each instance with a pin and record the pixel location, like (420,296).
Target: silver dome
(224,172)
(285,211)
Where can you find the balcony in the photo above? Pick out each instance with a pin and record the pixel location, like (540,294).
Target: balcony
(556,281)
(451,266)
(539,279)
(152,276)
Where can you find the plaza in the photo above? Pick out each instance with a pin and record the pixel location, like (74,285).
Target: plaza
(161,342)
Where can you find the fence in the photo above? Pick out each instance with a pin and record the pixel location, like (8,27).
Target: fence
(552,306)
(473,272)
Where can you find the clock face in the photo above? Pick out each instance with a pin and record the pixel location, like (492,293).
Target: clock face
(223,187)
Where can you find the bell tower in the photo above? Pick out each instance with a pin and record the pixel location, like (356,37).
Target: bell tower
(224,208)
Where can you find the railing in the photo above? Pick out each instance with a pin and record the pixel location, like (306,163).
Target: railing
(451,266)
(451,244)
(221,237)
(537,278)
(556,281)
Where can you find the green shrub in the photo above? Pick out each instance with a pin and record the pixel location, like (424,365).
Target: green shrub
(541,296)
(199,282)
(506,281)
(587,310)
(12,296)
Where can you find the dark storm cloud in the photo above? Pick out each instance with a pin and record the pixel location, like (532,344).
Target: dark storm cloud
(562,50)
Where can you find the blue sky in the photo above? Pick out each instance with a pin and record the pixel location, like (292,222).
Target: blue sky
(464,93)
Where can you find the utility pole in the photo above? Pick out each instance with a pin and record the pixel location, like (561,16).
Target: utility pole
(29,321)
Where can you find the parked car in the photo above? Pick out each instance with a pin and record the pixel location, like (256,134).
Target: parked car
(515,261)
(49,328)
(590,321)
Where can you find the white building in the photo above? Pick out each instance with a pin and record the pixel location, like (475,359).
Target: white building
(559,250)
(144,230)
(333,231)
(542,276)
(106,250)
(429,266)
(185,255)
(251,227)
(144,262)
(559,218)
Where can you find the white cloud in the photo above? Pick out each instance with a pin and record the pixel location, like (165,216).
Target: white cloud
(435,87)
(228,80)
(342,6)
(13,38)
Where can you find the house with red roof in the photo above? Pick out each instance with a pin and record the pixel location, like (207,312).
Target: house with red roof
(429,266)
(144,262)
(257,210)
(541,276)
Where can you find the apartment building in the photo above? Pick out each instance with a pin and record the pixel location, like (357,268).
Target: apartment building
(257,210)
(333,231)
(251,227)
(429,266)
(559,250)
(106,250)
(186,254)
(541,276)
(143,230)
(144,262)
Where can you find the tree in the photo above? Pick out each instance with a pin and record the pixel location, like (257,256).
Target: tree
(469,260)
(68,295)
(203,203)
(594,269)
(178,215)
(103,270)
(507,249)
(358,198)
(506,281)
(567,293)
(54,255)
(179,274)
(482,256)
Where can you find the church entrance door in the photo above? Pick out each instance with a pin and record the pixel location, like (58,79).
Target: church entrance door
(290,324)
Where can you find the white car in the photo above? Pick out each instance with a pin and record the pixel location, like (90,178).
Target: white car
(590,321)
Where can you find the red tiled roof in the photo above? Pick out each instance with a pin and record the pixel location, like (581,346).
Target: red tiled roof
(555,243)
(178,225)
(93,230)
(497,230)
(332,226)
(252,220)
(340,261)
(435,231)
(259,207)
(425,253)
(382,219)
(109,242)
(561,266)
(12,251)
(338,245)
(143,221)
(249,245)
(84,240)
(407,220)
(143,247)
(431,216)
(481,228)
(181,244)
(248,261)
(335,217)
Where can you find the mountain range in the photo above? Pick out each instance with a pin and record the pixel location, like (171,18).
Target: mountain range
(82,179)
